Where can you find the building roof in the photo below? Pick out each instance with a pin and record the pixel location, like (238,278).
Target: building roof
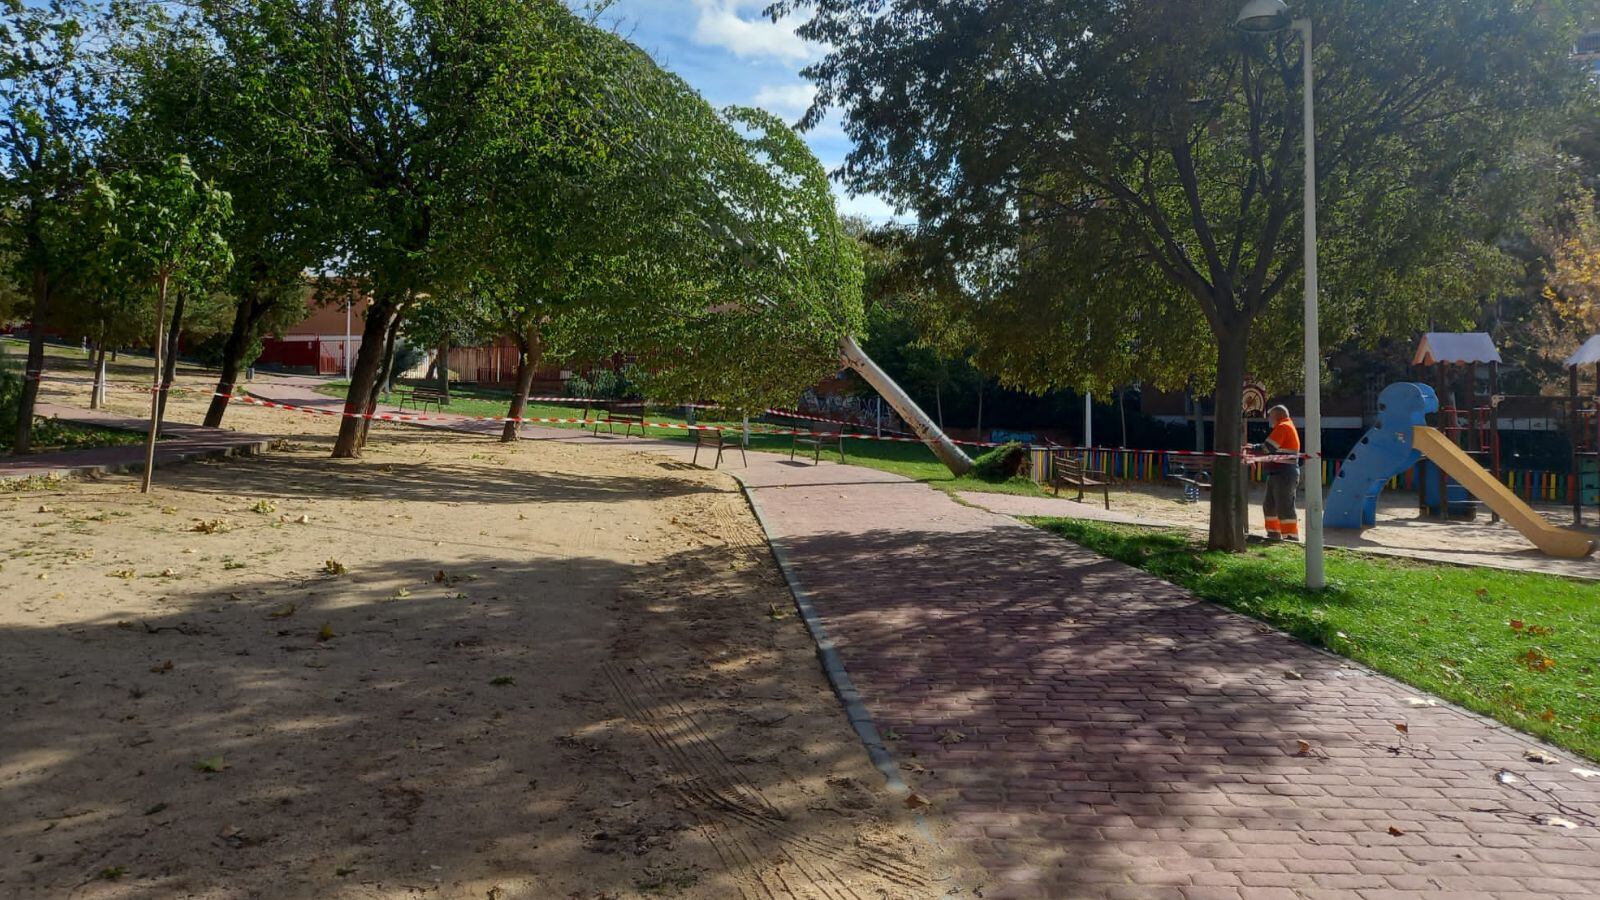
(1588,354)
(1455,347)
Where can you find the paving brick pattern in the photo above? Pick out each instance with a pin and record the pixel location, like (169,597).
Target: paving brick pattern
(1089,731)
(179,444)
(1094,732)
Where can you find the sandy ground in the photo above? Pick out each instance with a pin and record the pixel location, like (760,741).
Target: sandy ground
(448,669)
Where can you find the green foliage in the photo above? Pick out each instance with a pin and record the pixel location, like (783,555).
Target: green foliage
(163,225)
(1000,463)
(1465,634)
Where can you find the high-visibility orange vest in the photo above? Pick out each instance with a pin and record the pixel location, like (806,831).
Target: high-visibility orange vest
(1285,438)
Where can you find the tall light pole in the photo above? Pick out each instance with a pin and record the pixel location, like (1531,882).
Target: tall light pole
(1267,17)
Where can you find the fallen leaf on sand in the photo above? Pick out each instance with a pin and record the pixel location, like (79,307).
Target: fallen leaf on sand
(917,801)
(163,667)
(1539,756)
(334,567)
(213,526)
(210,764)
(325,633)
(283,612)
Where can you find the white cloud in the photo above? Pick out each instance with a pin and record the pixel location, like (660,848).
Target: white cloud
(740,27)
(787,100)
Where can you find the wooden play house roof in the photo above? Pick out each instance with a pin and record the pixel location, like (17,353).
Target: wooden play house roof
(1455,348)
(1588,354)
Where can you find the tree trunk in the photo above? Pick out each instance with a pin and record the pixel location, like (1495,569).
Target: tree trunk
(1198,410)
(385,381)
(363,377)
(33,370)
(942,447)
(1230,487)
(155,383)
(169,370)
(245,317)
(938,403)
(97,394)
(444,369)
(1122,412)
(527,363)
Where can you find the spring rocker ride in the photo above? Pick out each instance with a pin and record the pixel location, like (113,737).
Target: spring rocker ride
(1401,438)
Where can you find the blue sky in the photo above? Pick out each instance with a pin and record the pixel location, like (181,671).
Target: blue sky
(731,53)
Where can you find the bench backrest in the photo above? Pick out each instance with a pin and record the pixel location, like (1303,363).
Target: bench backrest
(1068,465)
(1193,463)
(708,436)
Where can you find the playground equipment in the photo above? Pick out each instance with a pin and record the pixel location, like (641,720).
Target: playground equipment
(1401,439)
(1463,368)
(1583,410)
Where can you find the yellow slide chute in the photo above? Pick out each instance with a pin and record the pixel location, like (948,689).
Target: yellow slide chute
(1553,541)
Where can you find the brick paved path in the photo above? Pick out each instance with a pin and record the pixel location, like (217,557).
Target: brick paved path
(1118,738)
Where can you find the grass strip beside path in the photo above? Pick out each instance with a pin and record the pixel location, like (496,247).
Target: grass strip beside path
(1523,648)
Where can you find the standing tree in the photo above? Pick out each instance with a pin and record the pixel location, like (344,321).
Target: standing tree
(184,96)
(48,101)
(165,228)
(1117,185)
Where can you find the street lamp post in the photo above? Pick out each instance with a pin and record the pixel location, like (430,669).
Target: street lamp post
(1265,17)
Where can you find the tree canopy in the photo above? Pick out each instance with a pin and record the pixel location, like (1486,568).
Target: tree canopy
(1116,188)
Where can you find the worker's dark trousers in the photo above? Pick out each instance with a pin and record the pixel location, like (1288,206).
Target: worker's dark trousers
(1282,519)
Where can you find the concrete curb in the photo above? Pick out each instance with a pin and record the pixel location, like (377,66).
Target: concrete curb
(251,448)
(832,664)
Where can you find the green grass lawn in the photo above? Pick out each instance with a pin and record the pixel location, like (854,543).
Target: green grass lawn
(1521,647)
(913,461)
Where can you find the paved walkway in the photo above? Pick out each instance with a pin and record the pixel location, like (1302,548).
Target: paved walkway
(180,443)
(1089,731)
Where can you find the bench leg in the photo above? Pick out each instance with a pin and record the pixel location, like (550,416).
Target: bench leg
(695,461)
(718,463)
(743,455)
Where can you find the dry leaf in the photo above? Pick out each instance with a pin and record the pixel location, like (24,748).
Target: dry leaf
(1395,831)
(160,668)
(283,612)
(1539,756)
(1402,727)
(951,736)
(917,801)
(325,633)
(1292,675)
(1586,773)
(1555,821)
(1305,747)
(334,567)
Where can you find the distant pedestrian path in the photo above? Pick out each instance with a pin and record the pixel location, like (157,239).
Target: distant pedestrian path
(180,443)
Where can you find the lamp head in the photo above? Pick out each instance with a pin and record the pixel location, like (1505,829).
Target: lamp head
(1263,16)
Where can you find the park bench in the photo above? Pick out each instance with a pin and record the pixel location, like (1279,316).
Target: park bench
(714,437)
(1194,473)
(611,419)
(1072,470)
(816,438)
(419,398)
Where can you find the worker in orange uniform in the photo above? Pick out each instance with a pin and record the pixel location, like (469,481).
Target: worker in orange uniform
(1283,476)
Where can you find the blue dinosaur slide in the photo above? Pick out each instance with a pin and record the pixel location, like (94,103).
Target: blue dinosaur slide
(1386,451)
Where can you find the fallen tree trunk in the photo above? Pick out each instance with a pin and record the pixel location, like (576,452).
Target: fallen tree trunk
(941,445)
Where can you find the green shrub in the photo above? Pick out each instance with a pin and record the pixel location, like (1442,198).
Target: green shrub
(1001,463)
